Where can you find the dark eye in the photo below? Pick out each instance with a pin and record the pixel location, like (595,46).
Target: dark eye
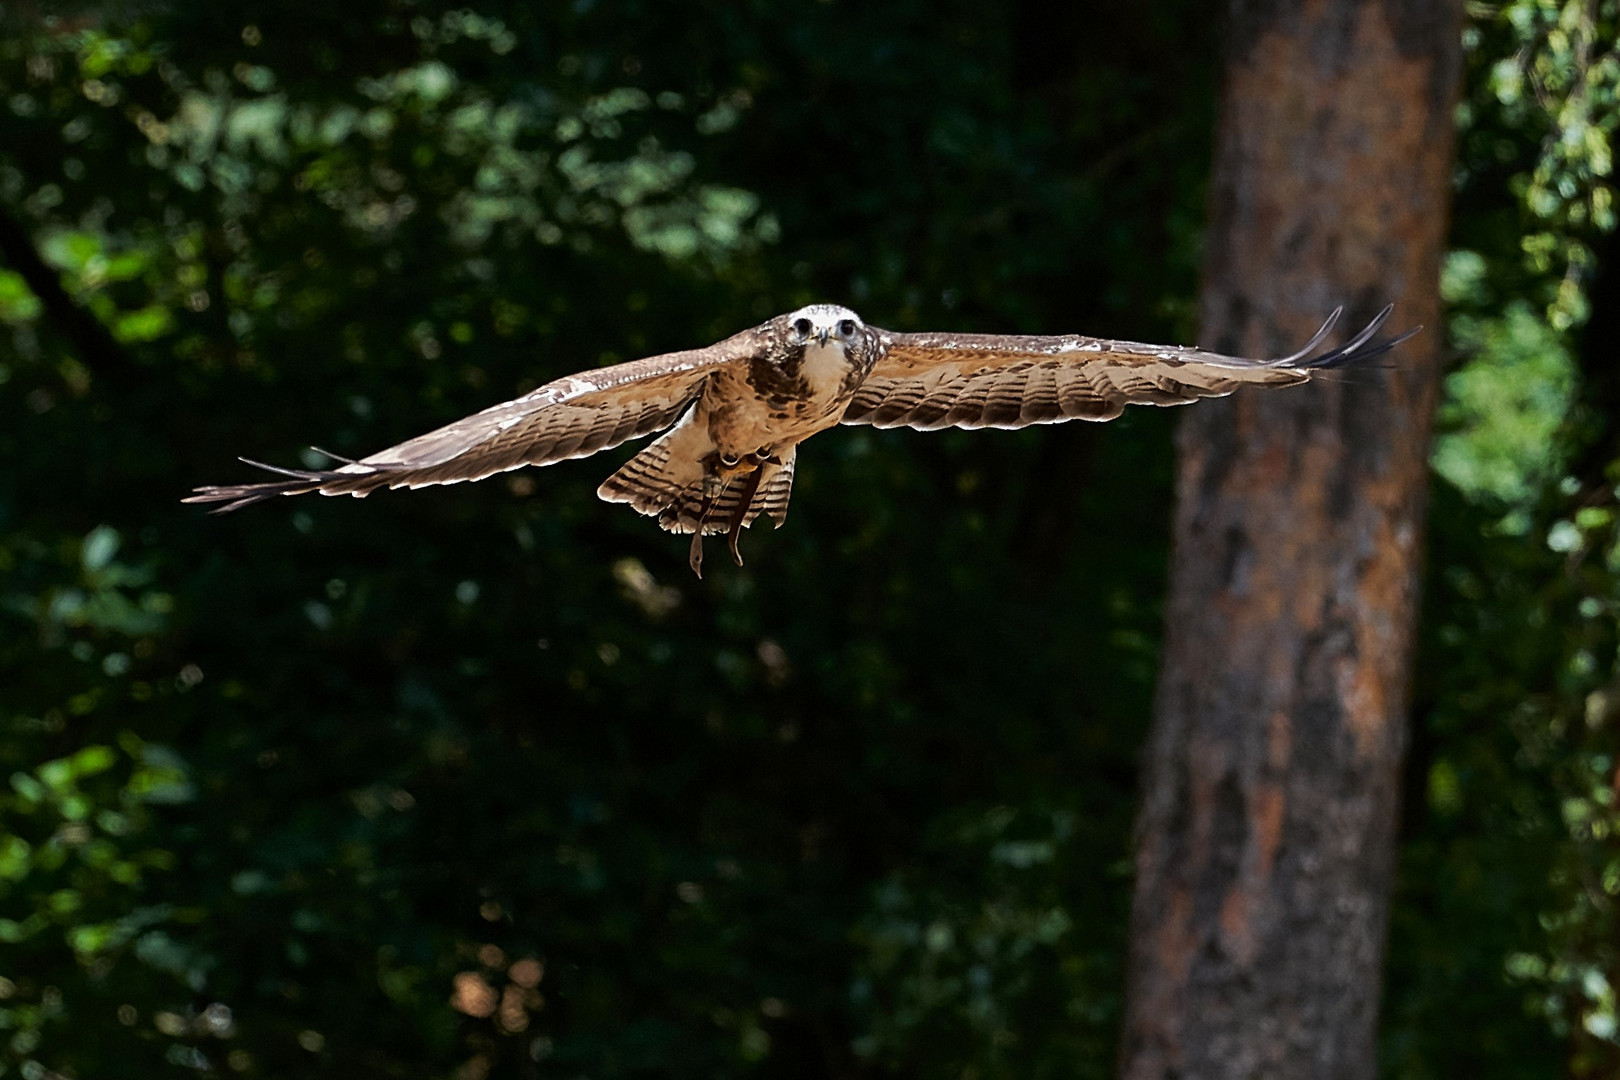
(801,327)
(847,328)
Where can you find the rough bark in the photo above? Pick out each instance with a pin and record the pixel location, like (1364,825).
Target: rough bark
(1266,838)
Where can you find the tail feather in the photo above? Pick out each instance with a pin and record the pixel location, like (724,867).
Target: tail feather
(663,482)
(774,493)
(652,479)
(770,498)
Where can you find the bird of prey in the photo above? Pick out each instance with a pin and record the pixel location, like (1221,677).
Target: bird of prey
(736,411)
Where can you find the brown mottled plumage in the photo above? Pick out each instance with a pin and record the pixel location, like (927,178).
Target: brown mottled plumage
(736,411)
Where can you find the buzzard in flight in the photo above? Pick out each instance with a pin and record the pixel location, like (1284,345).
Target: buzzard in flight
(737,410)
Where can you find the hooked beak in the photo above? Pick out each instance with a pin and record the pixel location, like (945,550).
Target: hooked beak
(823,333)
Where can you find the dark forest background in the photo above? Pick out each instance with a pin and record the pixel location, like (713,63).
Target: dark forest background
(480,780)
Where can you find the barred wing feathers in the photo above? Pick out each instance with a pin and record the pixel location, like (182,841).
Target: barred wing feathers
(934,380)
(570,418)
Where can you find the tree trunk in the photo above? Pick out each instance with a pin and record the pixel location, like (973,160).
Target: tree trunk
(1266,839)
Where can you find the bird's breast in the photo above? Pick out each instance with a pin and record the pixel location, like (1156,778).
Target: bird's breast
(779,401)
(811,383)
(823,370)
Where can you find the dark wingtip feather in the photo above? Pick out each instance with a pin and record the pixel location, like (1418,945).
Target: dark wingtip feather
(236,496)
(335,457)
(1316,339)
(1357,350)
(297,474)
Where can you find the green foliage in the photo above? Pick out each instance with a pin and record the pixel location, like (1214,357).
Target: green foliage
(478,781)
(471,783)
(1513,842)
(1503,408)
(983,960)
(79,854)
(1550,72)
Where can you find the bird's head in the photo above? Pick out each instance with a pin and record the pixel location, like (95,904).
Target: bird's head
(822,324)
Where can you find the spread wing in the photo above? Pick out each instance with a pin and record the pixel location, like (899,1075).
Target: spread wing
(569,418)
(933,380)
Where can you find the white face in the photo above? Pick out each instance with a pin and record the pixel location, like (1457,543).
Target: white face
(823,324)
